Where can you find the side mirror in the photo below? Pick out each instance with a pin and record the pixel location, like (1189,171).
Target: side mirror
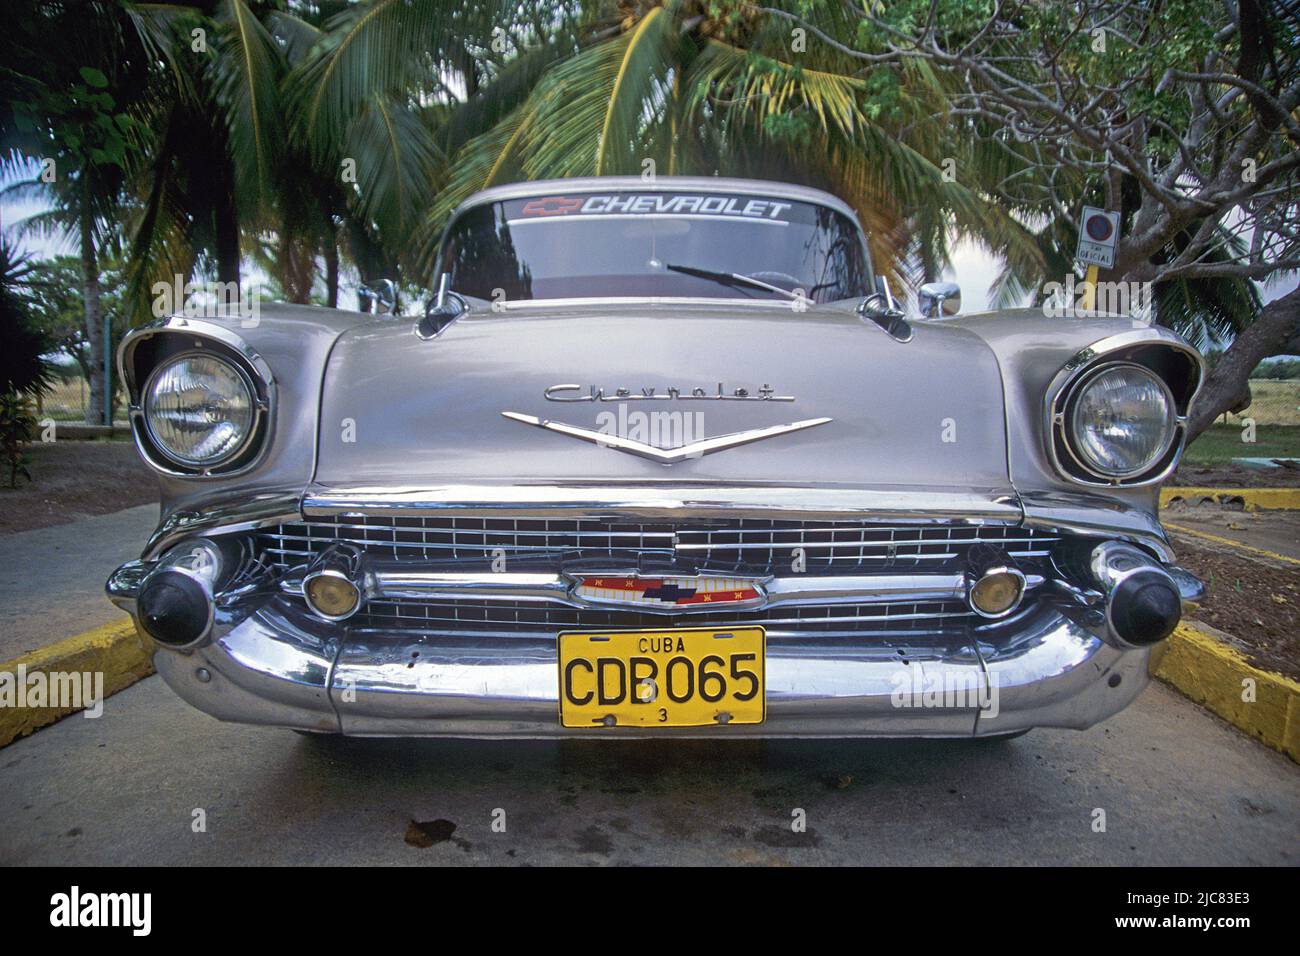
(937,300)
(383,294)
(880,309)
(441,311)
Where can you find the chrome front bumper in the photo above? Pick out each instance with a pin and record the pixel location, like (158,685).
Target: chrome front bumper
(277,666)
(265,659)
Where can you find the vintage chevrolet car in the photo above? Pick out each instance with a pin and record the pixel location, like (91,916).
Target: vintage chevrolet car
(661,458)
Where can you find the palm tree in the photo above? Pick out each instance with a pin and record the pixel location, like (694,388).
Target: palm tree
(369,104)
(210,179)
(68,106)
(679,88)
(603,88)
(232,178)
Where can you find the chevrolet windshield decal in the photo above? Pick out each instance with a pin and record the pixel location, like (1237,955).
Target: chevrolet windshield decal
(652,204)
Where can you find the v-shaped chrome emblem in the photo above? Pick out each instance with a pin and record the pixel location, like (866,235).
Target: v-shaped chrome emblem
(666,456)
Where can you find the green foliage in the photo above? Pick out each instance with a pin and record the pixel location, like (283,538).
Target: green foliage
(1219,444)
(23,368)
(80,122)
(241,151)
(57,309)
(1278,370)
(16,425)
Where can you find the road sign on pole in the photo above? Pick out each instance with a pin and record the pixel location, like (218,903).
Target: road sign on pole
(1098,237)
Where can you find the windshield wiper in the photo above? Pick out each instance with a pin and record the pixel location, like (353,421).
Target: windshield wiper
(731,279)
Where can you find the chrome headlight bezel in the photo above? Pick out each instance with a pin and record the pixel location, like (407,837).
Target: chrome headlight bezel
(144,354)
(1171,362)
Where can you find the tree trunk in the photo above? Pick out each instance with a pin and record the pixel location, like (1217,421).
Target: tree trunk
(1227,388)
(227,231)
(94,314)
(297,267)
(331,273)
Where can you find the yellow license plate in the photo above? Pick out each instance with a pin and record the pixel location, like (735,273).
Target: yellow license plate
(677,677)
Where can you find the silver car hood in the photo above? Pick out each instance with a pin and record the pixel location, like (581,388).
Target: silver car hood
(397,410)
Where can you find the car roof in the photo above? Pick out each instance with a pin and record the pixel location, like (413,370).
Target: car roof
(715,184)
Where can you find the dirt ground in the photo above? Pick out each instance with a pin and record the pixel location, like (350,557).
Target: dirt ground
(73,479)
(1191,475)
(1252,598)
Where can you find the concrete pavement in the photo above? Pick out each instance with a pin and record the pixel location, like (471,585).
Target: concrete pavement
(52,579)
(1177,786)
(1276,531)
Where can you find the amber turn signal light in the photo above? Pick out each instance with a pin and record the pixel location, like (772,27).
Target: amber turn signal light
(331,595)
(997,592)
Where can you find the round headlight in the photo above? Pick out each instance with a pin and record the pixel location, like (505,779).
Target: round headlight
(1123,421)
(199,409)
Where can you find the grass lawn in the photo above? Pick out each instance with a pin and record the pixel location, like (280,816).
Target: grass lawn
(1220,443)
(1273,402)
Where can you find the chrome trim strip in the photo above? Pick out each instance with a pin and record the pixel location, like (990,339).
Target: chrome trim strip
(1080,513)
(558,589)
(439,585)
(783,305)
(669,500)
(1093,516)
(665,456)
(229,513)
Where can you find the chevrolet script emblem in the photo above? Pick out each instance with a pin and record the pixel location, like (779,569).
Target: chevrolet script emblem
(666,456)
(675,595)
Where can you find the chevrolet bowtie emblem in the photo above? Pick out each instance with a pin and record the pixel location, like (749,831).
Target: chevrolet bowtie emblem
(666,456)
(670,594)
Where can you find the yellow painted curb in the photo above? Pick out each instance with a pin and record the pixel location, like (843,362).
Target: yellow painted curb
(1214,674)
(1255,499)
(114,650)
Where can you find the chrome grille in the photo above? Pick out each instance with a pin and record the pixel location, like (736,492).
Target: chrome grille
(744,546)
(527,619)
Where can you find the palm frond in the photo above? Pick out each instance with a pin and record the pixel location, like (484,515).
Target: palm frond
(378,49)
(397,160)
(484,160)
(735,86)
(297,35)
(588,114)
(643,65)
(247,70)
(1209,311)
(511,85)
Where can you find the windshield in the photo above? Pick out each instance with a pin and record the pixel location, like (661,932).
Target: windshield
(672,244)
